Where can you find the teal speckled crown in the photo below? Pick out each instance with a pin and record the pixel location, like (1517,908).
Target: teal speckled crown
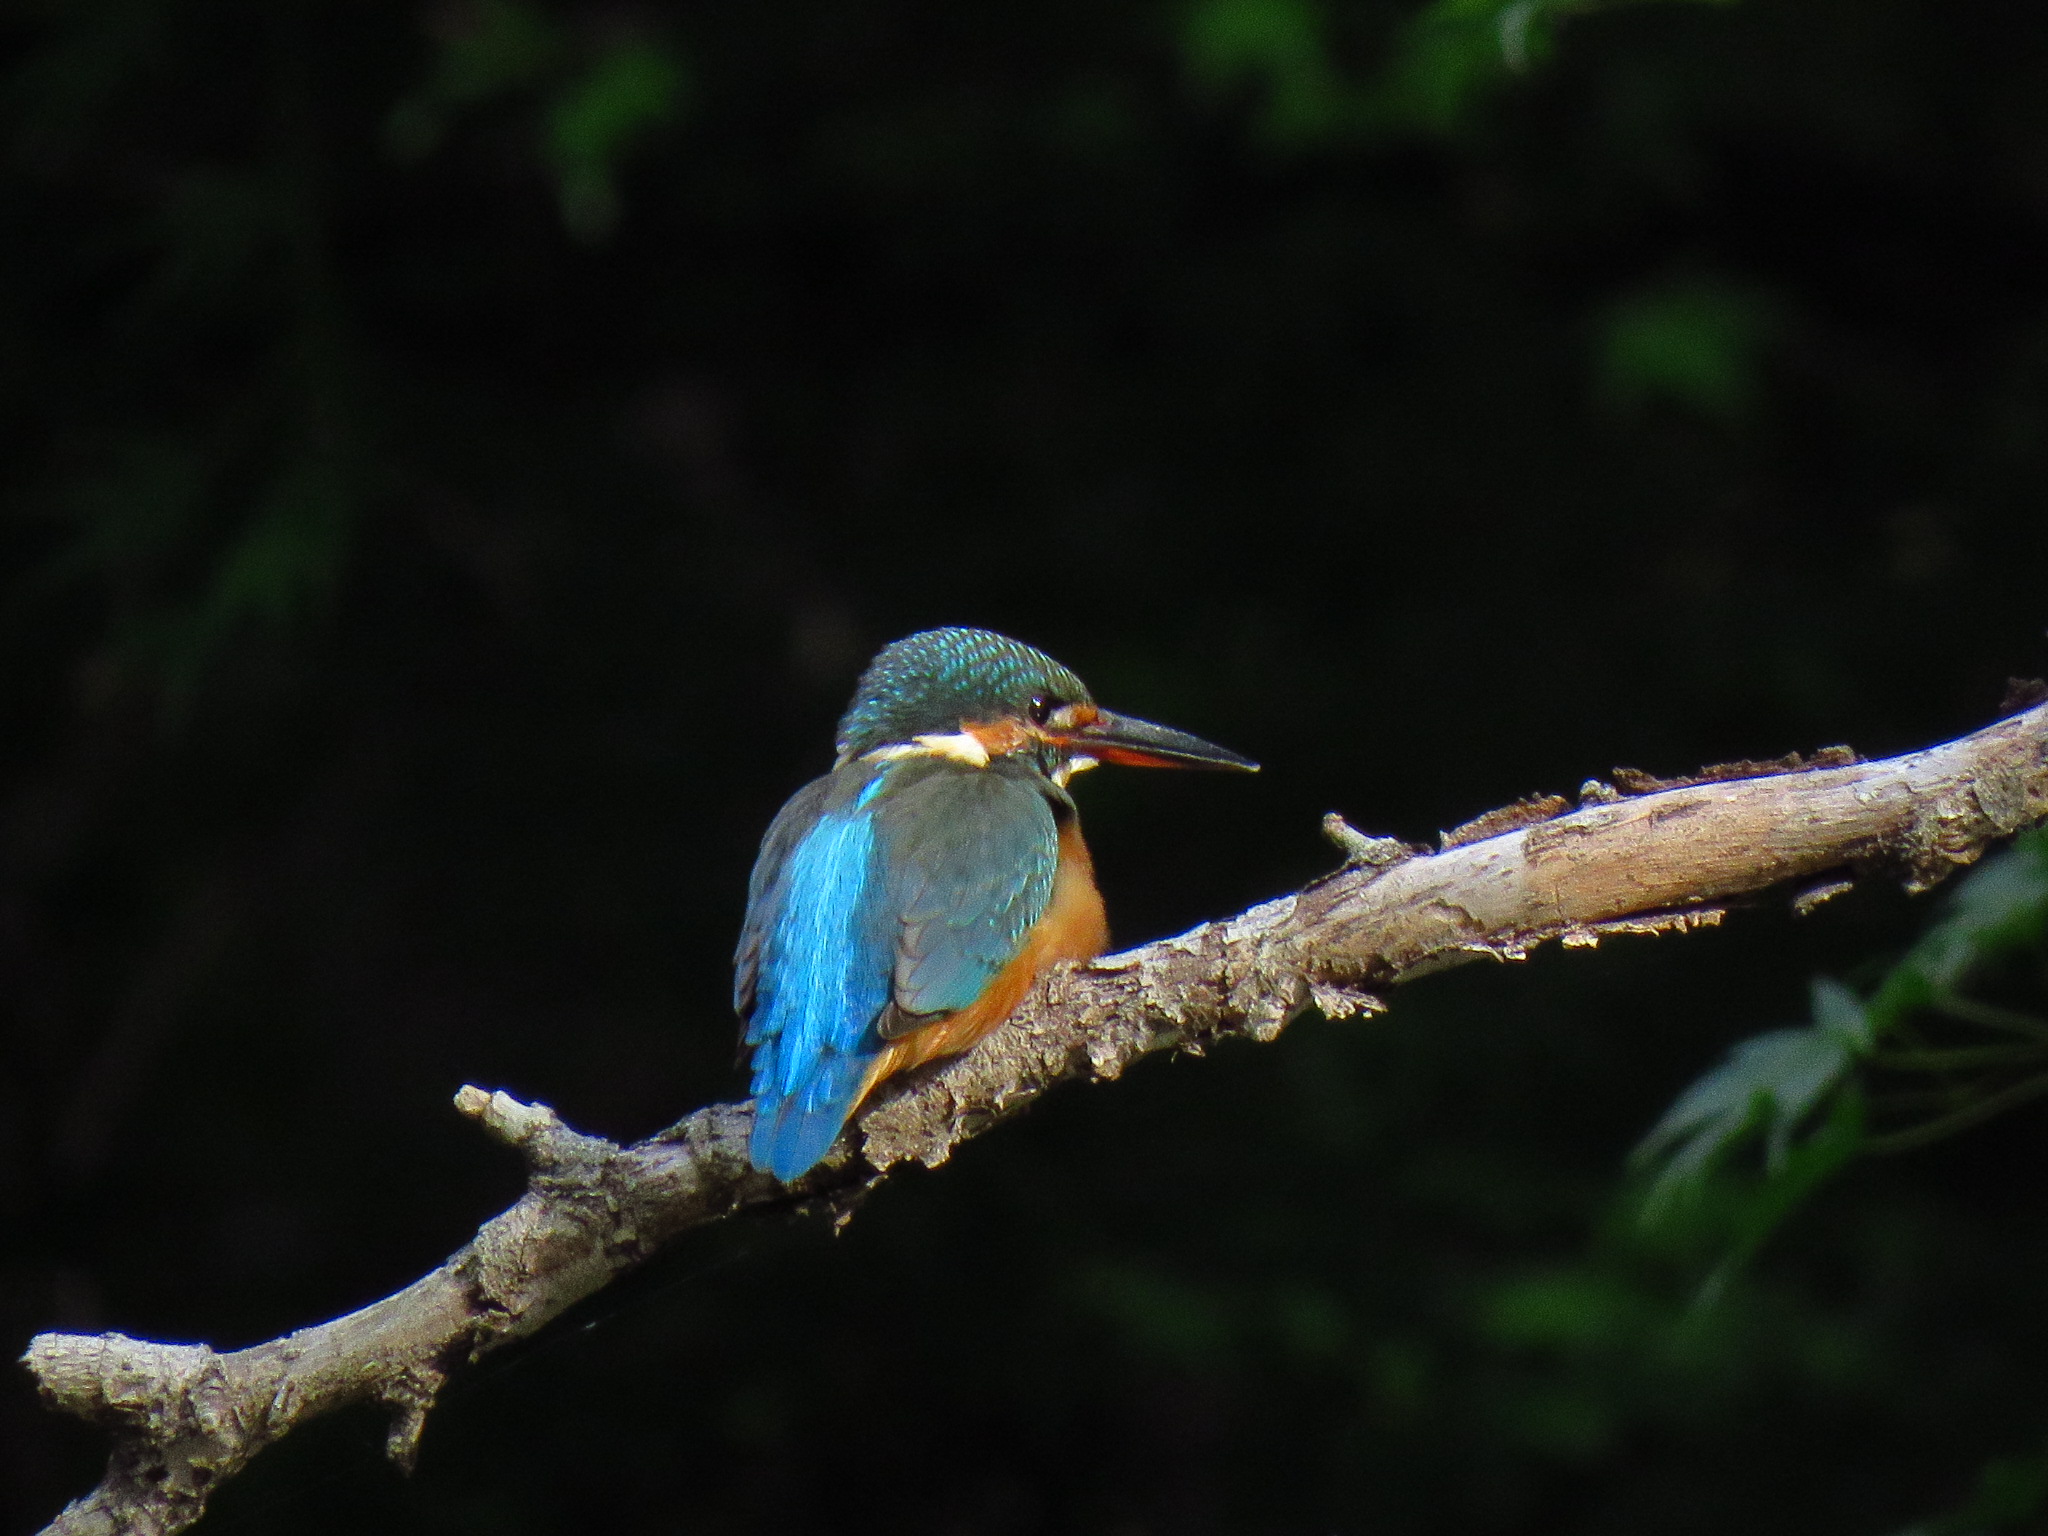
(927,683)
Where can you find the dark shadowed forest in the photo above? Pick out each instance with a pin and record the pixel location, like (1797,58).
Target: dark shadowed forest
(460,454)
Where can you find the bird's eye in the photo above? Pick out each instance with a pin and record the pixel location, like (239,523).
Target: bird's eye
(1041,708)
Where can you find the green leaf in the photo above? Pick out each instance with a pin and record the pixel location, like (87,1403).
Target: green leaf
(1456,51)
(2000,906)
(1840,1012)
(495,47)
(1279,47)
(1770,1083)
(1565,1308)
(1801,1169)
(288,554)
(594,121)
(1689,341)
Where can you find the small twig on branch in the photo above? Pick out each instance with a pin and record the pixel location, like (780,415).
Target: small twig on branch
(1647,856)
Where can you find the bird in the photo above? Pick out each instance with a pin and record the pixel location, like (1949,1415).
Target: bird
(904,903)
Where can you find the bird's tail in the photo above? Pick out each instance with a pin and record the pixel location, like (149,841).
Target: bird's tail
(795,1129)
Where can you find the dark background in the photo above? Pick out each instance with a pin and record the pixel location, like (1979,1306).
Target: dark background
(460,455)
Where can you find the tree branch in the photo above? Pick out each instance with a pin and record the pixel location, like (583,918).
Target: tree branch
(1639,855)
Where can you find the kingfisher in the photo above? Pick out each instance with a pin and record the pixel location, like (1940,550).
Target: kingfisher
(905,903)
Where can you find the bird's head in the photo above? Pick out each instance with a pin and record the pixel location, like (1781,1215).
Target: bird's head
(976,696)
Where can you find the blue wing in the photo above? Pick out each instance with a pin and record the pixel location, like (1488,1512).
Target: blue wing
(882,896)
(812,971)
(971,859)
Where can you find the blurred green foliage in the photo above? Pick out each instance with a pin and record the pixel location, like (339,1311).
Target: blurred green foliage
(1690,343)
(1810,1095)
(464,451)
(1799,1090)
(596,92)
(1325,70)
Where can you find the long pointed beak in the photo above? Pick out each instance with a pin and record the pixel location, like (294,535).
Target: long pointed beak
(1112,738)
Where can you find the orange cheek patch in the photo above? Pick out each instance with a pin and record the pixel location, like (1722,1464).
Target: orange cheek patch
(998,738)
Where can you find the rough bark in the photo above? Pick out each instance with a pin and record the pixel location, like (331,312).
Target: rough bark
(1639,855)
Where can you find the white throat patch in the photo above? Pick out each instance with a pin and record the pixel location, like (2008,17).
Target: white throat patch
(962,747)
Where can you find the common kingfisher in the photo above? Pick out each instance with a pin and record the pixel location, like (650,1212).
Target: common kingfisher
(905,903)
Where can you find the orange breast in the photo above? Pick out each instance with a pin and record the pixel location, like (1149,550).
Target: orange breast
(1074,927)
